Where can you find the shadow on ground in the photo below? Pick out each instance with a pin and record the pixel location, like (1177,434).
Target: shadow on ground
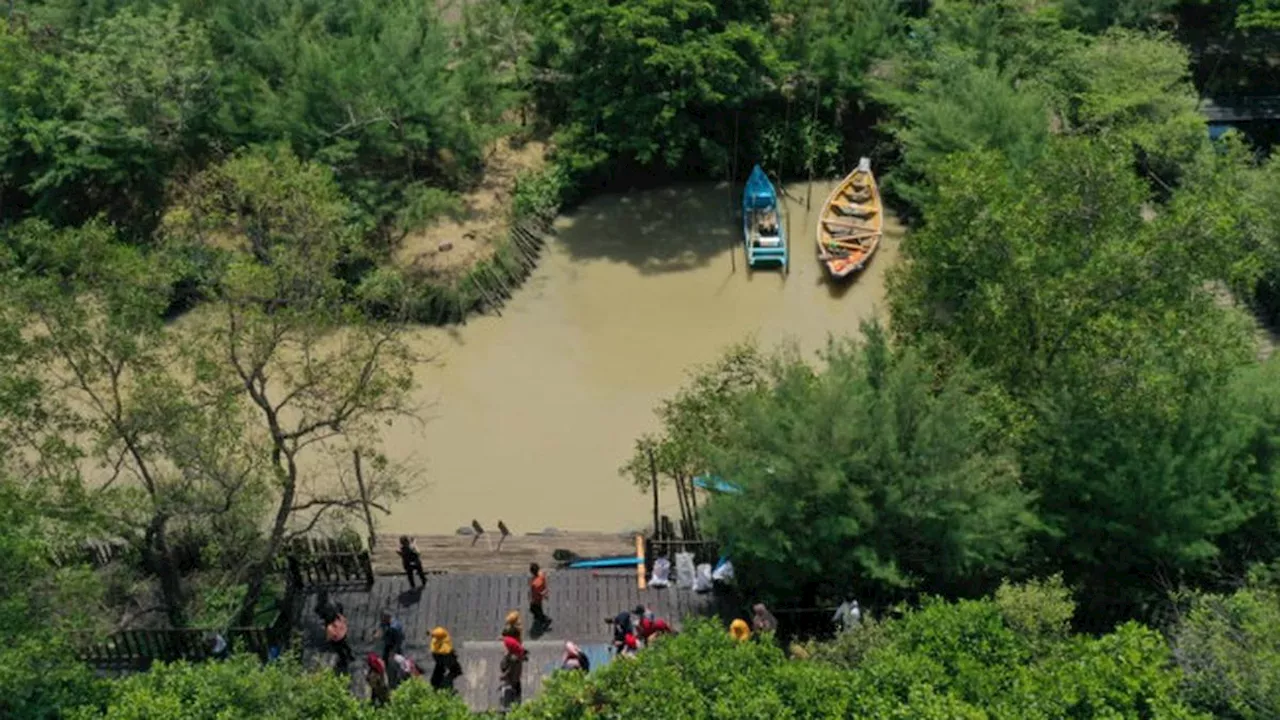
(669,229)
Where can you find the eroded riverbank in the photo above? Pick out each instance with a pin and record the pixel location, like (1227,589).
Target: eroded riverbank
(529,415)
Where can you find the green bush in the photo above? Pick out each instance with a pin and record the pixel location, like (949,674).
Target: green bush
(1229,650)
(239,688)
(540,192)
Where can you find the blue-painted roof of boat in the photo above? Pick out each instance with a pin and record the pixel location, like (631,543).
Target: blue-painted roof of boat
(759,191)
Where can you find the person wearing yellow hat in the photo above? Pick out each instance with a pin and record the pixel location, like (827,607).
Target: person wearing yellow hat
(739,630)
(513,627)
(447,667)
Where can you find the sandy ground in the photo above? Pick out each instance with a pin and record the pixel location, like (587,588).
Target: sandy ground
(484,217)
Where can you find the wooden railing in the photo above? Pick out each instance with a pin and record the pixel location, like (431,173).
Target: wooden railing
(138,649)
(130,650)
(331,570)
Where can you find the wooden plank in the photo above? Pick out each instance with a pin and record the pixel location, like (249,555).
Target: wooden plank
(429,606)
(497,612)
(444,603)
(479,610)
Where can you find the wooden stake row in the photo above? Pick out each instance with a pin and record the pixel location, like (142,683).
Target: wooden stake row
(527,240)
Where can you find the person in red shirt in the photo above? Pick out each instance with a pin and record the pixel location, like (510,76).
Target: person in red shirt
(651,626)
(537,594)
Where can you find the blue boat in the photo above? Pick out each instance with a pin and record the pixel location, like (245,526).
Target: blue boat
(762,227)
(715,484)
(606,562)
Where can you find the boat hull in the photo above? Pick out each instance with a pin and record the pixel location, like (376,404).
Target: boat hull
(851,223)
(764,235)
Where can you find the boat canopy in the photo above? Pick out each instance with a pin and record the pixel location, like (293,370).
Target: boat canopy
(759,193)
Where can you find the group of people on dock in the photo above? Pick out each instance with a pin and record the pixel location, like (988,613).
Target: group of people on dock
(632,629)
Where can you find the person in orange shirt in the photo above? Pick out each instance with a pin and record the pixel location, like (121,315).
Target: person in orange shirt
(537,594)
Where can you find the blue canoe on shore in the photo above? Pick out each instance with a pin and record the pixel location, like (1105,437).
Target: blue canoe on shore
(605,562)
(715,484)
(763,233)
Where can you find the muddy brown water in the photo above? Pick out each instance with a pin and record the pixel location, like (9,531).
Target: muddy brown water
(530,415)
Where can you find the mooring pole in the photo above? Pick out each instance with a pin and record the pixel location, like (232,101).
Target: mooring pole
(653,479)
(733,178)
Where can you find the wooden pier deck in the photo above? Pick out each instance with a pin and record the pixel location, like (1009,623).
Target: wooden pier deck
(472,606)
(470,554)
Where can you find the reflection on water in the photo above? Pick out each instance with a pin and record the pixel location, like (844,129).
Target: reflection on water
(532,413)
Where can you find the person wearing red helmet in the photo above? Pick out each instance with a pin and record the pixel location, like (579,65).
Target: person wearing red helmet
(510,672)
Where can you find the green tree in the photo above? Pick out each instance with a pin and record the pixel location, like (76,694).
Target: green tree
(866,477)
(39,605)
(100,119)
(311,374)
(1098,15)
(1135,87)
(1229,650)
(102,359)
(373,89)
(649,82)
(1103,330)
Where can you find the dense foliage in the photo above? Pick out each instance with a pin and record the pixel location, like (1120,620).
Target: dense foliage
(1071,385)
(865,472)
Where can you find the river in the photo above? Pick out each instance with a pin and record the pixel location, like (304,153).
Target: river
(530,415)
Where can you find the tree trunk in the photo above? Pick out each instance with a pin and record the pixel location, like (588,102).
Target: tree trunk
(159,560)
(258,571)
(364,498)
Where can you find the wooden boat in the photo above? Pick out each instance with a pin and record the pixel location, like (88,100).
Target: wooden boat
(851,223)
(763,235)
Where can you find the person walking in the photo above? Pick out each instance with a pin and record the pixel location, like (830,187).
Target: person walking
(512,628)
(401,668)
(623,626)
(447,667)
(538,593)
(510,673)
(392,632)
(379,689)
(326,607)
(335,633)
(574,658)
(411,559)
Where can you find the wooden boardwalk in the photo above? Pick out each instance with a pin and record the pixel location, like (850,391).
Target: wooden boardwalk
(469,554)
(473,606)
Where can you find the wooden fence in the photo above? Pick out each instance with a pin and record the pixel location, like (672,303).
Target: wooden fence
(131,650)
(342,570)
(138,649)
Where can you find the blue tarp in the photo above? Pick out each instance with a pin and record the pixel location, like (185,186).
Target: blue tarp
(759,193)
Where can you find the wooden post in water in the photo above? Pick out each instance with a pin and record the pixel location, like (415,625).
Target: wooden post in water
(653,479)
(817,93)
(364,497)
(733,177)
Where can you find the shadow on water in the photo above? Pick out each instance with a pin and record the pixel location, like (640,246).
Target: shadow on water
(665,230)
